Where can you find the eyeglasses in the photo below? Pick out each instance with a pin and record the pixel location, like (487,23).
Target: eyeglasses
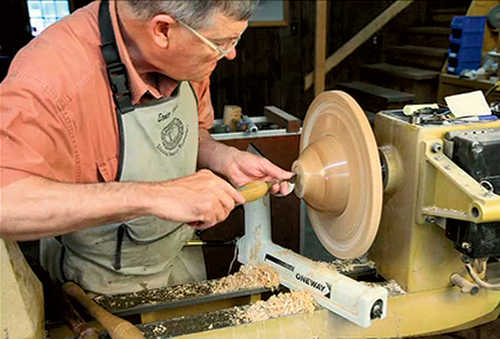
(223,49)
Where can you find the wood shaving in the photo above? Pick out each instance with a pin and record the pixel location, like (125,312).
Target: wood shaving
(159,329)
(154,296)
(391,286)
(349,265)
(281,305)
(277,306)
(248,277)
(238,316)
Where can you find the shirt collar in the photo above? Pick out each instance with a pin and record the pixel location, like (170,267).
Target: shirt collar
(138,87)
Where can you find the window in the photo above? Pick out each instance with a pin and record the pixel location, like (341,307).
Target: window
(44,13)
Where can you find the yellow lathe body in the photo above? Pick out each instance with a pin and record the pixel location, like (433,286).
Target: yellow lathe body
(422,187)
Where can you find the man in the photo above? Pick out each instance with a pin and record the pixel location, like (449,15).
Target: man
(101,145)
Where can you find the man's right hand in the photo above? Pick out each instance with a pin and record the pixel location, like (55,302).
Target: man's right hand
(202,199)
(34,207)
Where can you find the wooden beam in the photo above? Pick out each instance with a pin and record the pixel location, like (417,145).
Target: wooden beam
(359,38)
(320,46)
(282,118)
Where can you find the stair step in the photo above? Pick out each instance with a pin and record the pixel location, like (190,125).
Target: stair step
(445,15)
(449,10)
(423,83)
(375,98)
(420,56)
(430,30)
(405,72)
(430,36)
(388,94)
(444,19)
(419,50)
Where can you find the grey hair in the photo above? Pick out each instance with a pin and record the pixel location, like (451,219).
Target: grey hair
(196,13)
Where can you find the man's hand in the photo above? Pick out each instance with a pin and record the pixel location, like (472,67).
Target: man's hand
(238,166)
(34,207)
(202,199)
(243,167)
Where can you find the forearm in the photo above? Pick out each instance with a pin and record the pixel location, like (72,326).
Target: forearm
(213,154)
(34,207)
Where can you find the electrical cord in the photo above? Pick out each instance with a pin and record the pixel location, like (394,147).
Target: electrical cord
(479,281)
(234,259)
(491,89)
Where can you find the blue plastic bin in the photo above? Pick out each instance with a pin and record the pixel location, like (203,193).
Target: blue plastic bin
(466,43)
(468,23)
(465,53)
(456,66)
(474,39)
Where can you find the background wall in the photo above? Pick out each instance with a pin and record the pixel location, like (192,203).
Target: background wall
(272,61)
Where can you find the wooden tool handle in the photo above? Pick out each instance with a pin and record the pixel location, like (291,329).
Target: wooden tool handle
(73,319)
(118,328)
(255,190)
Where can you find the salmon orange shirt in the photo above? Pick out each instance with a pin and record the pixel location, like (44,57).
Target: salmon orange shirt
(57,114)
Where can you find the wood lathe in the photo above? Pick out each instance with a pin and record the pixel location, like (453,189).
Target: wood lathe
(438,235)
(410,196)
(419,197)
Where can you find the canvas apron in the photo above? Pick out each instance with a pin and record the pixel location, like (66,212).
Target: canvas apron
(159,143)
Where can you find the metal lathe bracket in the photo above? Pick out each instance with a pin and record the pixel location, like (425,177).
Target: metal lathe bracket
(338,293)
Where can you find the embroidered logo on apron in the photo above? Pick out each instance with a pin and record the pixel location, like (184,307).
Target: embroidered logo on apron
(164,116)
(173,137)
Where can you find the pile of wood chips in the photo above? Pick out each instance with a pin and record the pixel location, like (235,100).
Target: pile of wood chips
(248,277)
(391,286)
(281,305)
(276,306)
(348,265)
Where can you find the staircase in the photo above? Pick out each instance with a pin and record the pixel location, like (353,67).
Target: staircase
(410,73)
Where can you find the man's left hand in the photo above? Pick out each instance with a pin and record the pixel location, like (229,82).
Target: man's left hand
(240,167)
(243,167)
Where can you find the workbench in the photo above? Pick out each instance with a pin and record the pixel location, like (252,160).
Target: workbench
(453,84)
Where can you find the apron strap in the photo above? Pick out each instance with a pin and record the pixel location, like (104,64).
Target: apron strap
(61,264)
(61,258)
(118,254)
(117,72)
